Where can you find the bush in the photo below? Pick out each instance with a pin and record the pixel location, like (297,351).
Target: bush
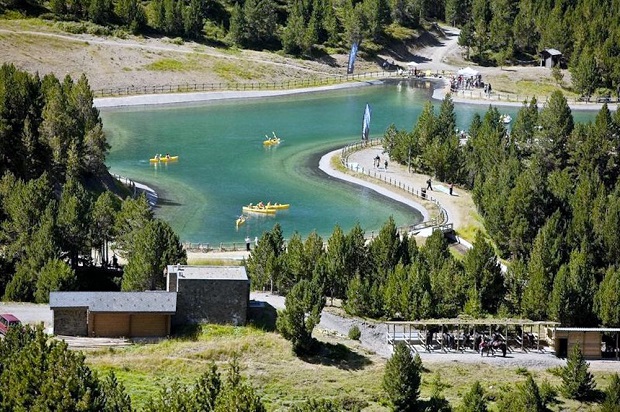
(355,333)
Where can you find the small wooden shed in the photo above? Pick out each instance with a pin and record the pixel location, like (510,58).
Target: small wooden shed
(595,343)
(113,314)
(550,58)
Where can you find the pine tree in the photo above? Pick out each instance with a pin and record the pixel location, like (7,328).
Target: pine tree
(524,398)
(155,246)
(557,120)
(607,300)
(585,76)
(296,322)
(475,400)
(385,248)
(482,271)
(577,381)
(611,403)
(402,379)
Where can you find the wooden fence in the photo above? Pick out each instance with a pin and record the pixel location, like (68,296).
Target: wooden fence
(421,194)
(238,86)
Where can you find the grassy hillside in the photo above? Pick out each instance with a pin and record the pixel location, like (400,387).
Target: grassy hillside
(342,371)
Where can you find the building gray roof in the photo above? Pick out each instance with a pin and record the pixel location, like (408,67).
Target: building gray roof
(575,329)
(209,272)
(553,52)
(138,302)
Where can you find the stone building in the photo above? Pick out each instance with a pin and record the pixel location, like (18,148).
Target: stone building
(195,294)
(209,294)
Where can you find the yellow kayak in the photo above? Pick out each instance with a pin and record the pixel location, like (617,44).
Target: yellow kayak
(164,159)
(271,142)
(256,209)
(277,206)
(240,220)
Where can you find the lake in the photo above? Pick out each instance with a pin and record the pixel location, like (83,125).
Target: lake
(223,164)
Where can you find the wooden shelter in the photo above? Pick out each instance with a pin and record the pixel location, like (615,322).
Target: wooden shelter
(550,58)
(457,334)
(595,343)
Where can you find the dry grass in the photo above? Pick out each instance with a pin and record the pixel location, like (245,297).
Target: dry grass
(342,371)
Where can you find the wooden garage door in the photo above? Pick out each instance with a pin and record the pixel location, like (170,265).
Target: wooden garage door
(111,324)
(149,325)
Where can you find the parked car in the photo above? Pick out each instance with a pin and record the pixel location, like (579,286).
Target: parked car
(8,321)
(604,99)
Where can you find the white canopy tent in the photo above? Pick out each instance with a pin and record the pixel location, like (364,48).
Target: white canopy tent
(468,71)
(412,64)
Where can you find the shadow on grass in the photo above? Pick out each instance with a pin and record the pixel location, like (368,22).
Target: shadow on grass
(337,355)
(262,316)
(190,332)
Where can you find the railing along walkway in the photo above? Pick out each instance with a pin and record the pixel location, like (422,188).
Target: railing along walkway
(440,222)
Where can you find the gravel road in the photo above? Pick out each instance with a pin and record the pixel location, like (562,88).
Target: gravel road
(373,338)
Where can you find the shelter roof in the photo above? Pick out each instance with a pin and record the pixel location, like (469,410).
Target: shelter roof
(553,52)
(122,302)
(470,321)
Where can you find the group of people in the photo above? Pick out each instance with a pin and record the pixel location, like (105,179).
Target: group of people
(158,156)
(377,162)
(487,89)
(470,340)
(248,242)
(461,82)
(429,186)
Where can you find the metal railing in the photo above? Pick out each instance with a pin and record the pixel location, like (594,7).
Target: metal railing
(480,94)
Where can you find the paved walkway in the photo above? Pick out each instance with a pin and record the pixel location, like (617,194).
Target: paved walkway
(457,206)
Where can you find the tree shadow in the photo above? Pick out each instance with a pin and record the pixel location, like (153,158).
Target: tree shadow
(336,355)
(323,57)
(187,332)
(167,202)
(262,315)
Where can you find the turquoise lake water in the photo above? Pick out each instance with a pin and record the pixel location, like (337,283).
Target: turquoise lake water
(223,164)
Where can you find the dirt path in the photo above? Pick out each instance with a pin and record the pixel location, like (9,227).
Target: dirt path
(439,54)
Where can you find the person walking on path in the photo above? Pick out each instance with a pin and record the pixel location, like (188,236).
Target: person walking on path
(247,243)
(451,187)
(428,184)
(385,164)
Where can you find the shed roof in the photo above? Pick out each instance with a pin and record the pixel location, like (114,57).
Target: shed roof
(142,302)
(553,52)
(567,329)
(209,272)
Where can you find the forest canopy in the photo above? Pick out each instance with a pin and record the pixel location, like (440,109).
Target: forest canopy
(58,202)
(493,32)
